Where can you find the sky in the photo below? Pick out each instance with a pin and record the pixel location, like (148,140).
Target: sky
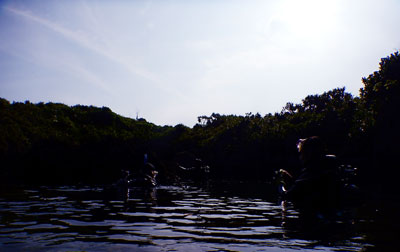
(170,61)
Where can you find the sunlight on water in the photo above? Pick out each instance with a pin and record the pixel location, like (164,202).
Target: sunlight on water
(161,219)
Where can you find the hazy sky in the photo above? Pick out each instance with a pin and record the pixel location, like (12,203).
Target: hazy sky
(170,61)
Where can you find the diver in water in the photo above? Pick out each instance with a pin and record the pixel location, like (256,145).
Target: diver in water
(146,175)
(317,186)
(150,174)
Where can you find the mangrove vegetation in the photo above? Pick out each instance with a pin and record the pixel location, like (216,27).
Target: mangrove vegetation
(56,143)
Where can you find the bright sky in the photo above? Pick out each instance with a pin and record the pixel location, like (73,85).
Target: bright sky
(170,61)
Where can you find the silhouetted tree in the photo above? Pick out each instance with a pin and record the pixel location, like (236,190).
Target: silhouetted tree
(380,102)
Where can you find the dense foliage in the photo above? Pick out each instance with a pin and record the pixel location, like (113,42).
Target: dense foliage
(42,143)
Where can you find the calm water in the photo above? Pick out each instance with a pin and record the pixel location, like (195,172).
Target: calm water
(220,217)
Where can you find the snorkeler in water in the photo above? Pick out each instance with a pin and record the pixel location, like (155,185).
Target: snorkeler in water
(317,184)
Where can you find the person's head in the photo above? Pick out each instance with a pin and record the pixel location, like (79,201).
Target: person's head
(311,148)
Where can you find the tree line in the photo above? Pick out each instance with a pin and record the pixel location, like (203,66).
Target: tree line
(56,143)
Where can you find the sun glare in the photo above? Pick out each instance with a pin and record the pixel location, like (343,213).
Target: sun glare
(308,19)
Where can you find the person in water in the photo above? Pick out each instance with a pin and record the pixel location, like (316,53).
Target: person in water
(146,175)
(317,184)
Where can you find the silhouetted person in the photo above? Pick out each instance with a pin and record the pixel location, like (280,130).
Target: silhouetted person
(146,175)
(150,173)
(124,180)
(317,186)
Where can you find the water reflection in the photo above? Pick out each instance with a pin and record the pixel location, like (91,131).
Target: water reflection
(184,218)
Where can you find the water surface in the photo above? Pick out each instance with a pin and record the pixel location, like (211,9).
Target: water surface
(220,217)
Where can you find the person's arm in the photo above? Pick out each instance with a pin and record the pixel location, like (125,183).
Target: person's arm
(286,179)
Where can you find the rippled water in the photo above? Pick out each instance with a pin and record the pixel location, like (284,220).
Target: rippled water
(168,218)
